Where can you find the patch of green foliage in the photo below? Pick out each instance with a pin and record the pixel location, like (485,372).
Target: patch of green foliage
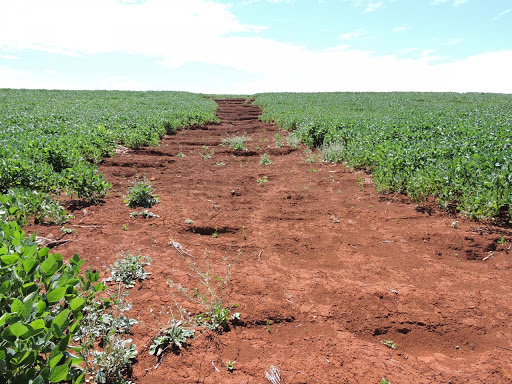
(41,307)
(141,194)
(51,141)
(453,146)
(129,268)
(237,143)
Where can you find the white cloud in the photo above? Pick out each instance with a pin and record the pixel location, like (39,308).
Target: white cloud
(455,3)
(372,6)
(9,57)
(401,28)
(353,35)
(151,28)
(501,14)
(182,32)
(455,41)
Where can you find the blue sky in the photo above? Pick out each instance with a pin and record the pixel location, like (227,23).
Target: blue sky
(251,46)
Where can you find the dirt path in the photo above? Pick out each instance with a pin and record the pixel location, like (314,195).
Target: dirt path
(327,268)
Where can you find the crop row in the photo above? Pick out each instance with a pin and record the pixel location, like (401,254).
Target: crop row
(51,141)
(454,146)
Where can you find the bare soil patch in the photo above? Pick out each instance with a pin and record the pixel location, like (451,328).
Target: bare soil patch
(327,270)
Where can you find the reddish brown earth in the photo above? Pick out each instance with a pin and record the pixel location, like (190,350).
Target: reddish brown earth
(327,268)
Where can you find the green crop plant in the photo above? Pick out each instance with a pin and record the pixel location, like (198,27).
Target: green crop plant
(45,308)
(50,146)
(449,145)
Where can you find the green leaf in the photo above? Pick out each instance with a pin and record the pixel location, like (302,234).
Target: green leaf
(18,329)
(49,265)
(4,318)
(9,259)
(38,324)
(80,379)
(55,360)
(29,264)
(59,373)
(56,294)
(61,318)
(17,306)
(77,303)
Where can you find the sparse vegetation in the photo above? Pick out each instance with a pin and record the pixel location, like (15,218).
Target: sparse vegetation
(237,143)
(141,194)
(129,268)
(264,159)
(145,214)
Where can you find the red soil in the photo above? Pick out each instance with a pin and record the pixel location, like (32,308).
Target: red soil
(327,270)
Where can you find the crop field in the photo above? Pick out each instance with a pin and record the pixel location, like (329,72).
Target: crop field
(152,237)
(453,146)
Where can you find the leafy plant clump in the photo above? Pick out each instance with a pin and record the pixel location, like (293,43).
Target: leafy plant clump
(20,205)
(145,214)
(264,159)
(237,143)
(333,152)
(141,194)
(41,309)
(175,337)
(129,268)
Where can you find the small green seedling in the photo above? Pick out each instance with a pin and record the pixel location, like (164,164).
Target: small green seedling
(261,180)
(67,230)
(124,227)
(389,343)
(230,365)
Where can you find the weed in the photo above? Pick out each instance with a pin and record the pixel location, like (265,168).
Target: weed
(278,140)
(124,227)
(313,170)
(67,230)
(360,182)
(268,325)
(384,381)
(237,143)
(261,180)
(211,294)
(243,233)
(311,158)
(175,337)
(221,164)
(215,234)
(230,365)
(105,320)
(141,194)
(145,214)
(188,221)
(181,154)
(208,153)
(333,152)
(293,139)
(265,160)
(502,242)
(129,268)
(389,343)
